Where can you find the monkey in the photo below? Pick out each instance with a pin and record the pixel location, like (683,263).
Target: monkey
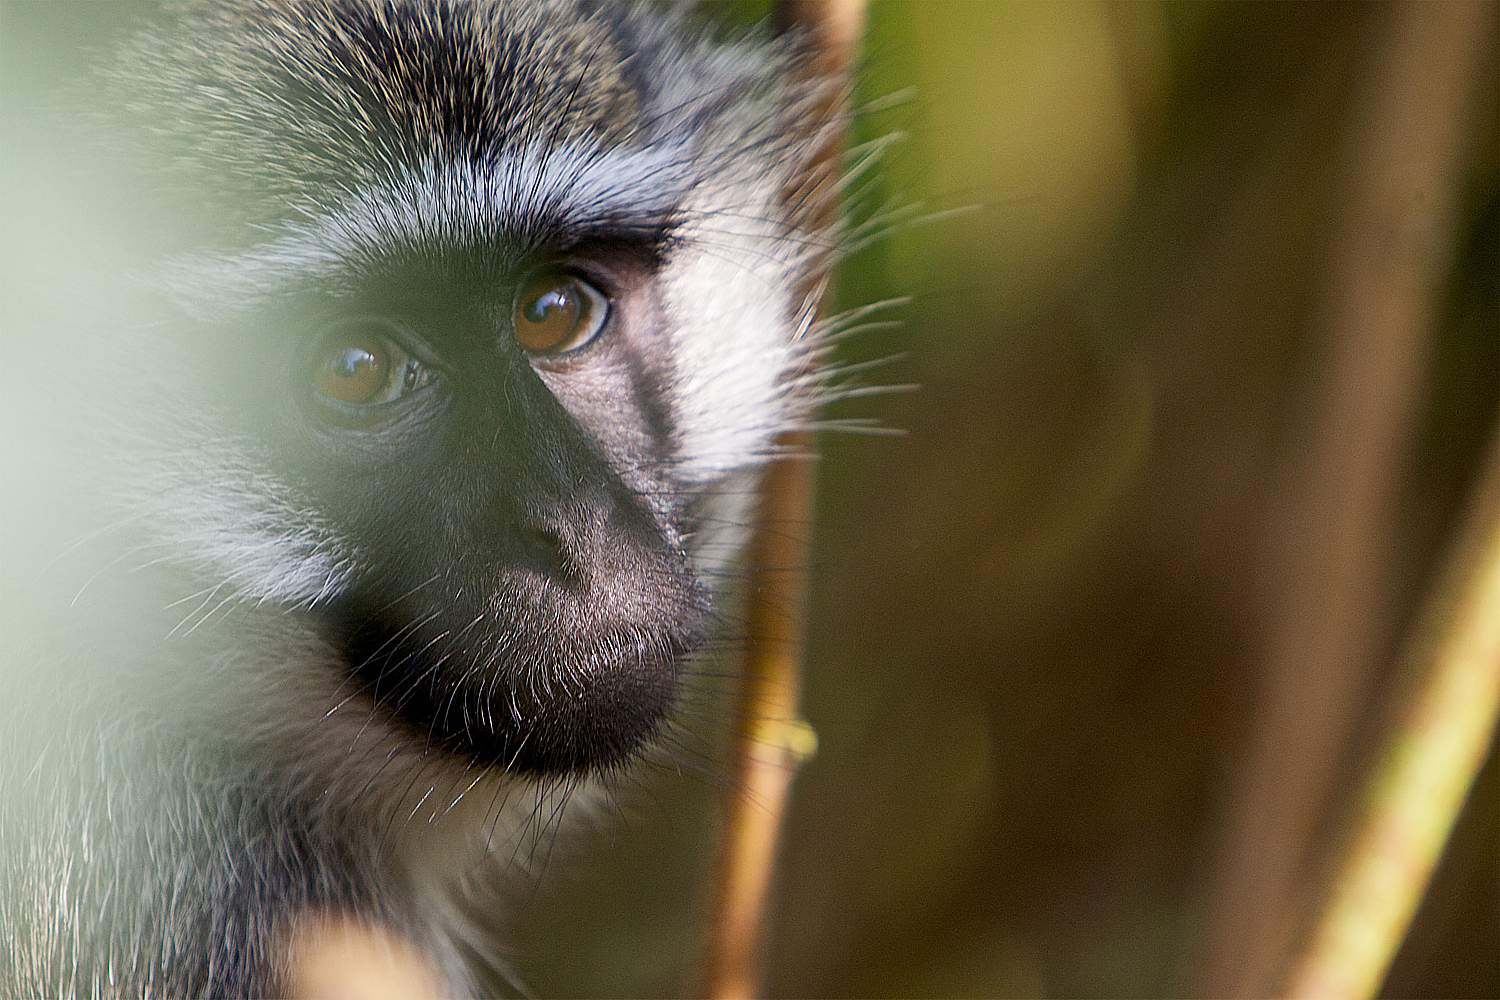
(392,468)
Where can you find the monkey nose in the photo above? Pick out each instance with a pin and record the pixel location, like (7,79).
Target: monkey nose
(595,543)
(542,546)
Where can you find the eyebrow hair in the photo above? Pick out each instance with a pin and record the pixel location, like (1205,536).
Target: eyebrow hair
(555,197)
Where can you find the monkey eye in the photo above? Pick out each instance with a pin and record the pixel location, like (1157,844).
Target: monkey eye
(557,312)
(359,366)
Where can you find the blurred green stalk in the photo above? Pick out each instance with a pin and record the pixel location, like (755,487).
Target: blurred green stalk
(1425,772)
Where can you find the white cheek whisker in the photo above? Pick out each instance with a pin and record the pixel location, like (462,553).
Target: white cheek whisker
(111,564)
(210,594)
(227,602)
(91,535)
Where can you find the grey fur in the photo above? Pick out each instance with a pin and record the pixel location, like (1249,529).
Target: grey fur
(187,764)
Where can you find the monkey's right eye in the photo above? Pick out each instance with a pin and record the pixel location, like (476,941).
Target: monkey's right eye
(359,367)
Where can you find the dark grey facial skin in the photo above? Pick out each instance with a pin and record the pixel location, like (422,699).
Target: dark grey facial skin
(520,596)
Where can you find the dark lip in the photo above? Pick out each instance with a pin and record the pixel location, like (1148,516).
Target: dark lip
(531,712)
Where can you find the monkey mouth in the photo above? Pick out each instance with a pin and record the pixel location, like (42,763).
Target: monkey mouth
(543,680)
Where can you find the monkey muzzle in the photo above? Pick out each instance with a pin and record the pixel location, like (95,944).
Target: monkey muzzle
(562,655)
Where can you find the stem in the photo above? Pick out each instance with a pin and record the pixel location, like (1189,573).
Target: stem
(770,740)
(1331,551)
(1425,771)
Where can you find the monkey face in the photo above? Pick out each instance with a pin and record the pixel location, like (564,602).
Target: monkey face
(491,438)
(480,453)
(476,348)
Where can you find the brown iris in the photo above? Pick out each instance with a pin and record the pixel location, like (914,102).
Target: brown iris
(360,368)
(355,371)
(557,312)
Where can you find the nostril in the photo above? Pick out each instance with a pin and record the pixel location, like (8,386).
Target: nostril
(544,549)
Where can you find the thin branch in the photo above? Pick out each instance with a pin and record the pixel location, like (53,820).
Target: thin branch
(1423,775)
(1330,555)
(770,739)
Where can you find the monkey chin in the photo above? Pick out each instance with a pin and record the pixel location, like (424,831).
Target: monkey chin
(544,680)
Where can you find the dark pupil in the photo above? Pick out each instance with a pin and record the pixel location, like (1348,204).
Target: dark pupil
(550,301)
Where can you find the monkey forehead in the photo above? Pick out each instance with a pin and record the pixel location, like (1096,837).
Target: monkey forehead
(268,103)
(310,88)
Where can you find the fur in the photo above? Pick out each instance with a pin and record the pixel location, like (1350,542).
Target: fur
(268,668)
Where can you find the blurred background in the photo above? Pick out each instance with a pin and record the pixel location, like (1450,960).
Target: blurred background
(1202,305)
(1100,645)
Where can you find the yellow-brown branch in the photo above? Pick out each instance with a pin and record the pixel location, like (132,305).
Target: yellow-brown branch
(769,739)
